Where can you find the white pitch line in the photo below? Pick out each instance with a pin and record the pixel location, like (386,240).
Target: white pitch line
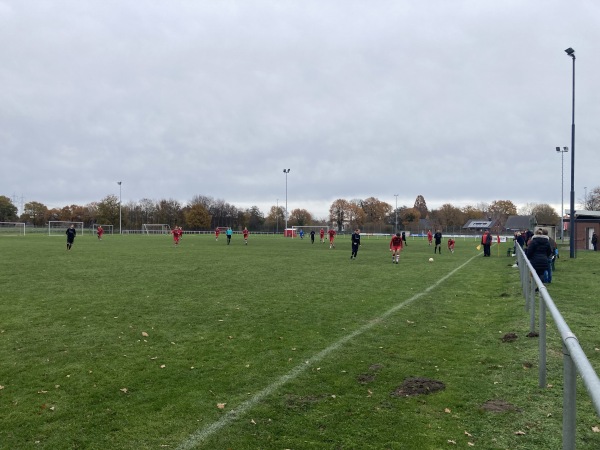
(207,431)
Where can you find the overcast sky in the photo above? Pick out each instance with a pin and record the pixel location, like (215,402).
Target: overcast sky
(459,101)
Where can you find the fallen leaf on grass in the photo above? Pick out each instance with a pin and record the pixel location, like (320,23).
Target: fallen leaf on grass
(596,429)
(450,441)
(253,422)
(123,390)
(144,334)
(447,410)
(468,434)
(42,392)
(470,444)
(1,387)
(163,366)
(221,405)
(520,433)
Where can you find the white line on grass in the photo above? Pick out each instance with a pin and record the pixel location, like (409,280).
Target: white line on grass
(205,432)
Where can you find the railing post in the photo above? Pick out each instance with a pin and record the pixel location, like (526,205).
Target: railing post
(569,401)
(542,343)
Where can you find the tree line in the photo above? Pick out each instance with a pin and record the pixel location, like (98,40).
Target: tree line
(207,213)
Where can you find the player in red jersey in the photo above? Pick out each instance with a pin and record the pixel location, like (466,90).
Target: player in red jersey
(176,232)
(331,238)
(451,245)
(100,232)
(429,237)
(217,231)
(322,234)
(396,247)
(246,233)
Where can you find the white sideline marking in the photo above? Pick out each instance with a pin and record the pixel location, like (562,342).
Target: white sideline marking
(205,432)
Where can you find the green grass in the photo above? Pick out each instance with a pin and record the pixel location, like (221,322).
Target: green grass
(224,323)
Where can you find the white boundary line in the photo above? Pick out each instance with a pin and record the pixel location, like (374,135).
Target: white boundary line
(207,431)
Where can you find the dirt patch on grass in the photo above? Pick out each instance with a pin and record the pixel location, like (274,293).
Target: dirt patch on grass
(302,402)
(509,337)
(498,406)
(418,386)
(533,334)
(369,377)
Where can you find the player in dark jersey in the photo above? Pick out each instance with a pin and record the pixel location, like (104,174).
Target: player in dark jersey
(355,239)
(71,233)
(438,241)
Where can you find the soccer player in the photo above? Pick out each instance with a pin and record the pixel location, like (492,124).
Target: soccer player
(246,233)
(451,245)
(217,231)
(176,232)
(404,244)
(322,234)
(396,247)
(312,236)
(429,237)
(228,233)
(438,241)
(99,232)
(331,238)
(355,239)
(71,233)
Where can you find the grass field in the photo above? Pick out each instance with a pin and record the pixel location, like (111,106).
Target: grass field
(132,343)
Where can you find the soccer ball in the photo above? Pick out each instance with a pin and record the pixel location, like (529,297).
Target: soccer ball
(430,259)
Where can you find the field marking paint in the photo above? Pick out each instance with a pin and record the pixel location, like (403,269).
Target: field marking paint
(205,432)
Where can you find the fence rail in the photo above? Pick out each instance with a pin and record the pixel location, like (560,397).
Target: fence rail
(574,362)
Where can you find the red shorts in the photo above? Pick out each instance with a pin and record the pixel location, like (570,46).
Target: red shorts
(396,249)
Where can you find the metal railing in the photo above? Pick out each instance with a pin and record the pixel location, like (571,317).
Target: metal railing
(574,361)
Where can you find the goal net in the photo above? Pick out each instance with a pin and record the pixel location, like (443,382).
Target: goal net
(156,228)
(307,229)
(12,229)
(59,227)
(108,229)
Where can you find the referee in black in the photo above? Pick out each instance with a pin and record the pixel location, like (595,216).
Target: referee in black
(355,239)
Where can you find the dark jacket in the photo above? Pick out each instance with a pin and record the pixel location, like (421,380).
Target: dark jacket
(538,252)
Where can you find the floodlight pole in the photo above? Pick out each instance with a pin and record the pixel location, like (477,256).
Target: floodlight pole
(396,226)
(286,171)
(572,233)
(119,183)
(562,191)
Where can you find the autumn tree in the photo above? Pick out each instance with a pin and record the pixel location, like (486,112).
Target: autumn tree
(36,213)
(197,217)
(375,211)
(410,216)
(592,202)
(421,206)
(255,218)
(545,214)
(300,217)
(108,210)
(471,212)
(8,211)
(338,212)
(448,216)
(355,215)
(169,212)
(275,217)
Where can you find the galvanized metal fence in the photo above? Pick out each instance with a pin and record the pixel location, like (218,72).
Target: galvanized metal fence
(574,361)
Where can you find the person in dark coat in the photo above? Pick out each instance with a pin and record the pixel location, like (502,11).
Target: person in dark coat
(538,252)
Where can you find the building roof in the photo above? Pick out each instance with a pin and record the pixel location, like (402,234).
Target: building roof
(587,214)
(520,223)
(479,224)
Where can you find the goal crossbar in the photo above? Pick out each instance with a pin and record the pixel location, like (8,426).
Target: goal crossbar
(156,228)
(59,227)
(12,229)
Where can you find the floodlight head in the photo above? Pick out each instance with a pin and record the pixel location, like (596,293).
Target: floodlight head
(565,149)
(570,52)
(558,149)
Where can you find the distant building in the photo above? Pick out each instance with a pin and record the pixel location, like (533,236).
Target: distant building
(586,224)
(479,225)
(520,223)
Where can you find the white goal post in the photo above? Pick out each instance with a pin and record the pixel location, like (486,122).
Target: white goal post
(59,227)
(12,229)
(317,228)
(108,229)
(156,228)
